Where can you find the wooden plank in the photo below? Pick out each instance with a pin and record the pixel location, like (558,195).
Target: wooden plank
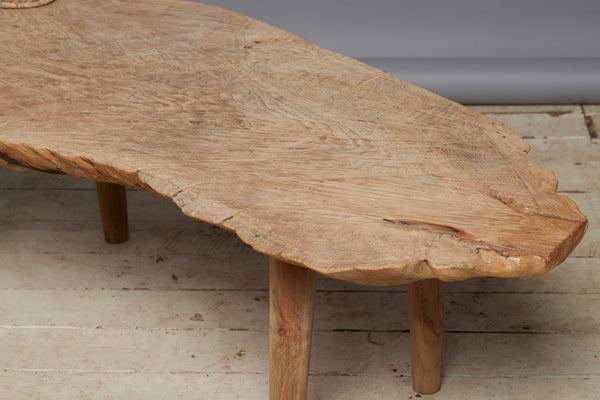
(242,272)
(455,388)
(575,161)
(132,385)
(592,109)
(333,353)
(131,271)
(220,386)
(574,150)
(147,238)
(33,180)
(558,123)
(590,206)
(576,177)
(82,205)
(248,310)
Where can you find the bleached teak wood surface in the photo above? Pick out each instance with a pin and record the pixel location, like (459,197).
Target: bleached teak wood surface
(307,155)
(71,325)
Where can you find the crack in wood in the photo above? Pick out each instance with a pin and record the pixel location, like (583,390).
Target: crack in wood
(427,226)
(494,249)
(507,202)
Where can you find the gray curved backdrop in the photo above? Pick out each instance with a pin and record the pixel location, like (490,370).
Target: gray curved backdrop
(473,51)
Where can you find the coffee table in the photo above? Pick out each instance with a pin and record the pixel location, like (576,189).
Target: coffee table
(323,163)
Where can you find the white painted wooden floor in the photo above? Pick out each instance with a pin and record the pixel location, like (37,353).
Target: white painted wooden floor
(181,310)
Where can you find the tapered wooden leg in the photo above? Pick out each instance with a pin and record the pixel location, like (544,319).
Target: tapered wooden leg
(113,211)
(426,315)
(292,309)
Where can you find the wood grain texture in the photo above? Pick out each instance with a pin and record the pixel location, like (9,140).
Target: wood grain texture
(426,314)
(307,155)
(23,3)
(112,200)
(291,314)
(51,385)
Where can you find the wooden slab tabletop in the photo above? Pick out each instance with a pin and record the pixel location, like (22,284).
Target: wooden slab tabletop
(309,156)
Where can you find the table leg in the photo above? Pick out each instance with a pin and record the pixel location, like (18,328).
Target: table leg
(426,315)
(292,308)
(113,211)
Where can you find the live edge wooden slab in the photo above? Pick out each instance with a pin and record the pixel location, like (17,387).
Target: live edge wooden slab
(309,156)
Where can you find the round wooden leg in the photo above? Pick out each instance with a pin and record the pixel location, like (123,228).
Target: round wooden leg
(426,315)
(292,308)
(112,199)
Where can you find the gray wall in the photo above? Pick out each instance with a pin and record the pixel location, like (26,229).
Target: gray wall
(475,51)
